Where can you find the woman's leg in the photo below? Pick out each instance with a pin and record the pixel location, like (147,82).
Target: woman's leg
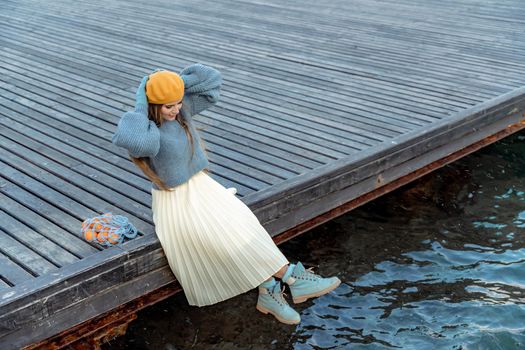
(271,300)
(304,284)
(279,274)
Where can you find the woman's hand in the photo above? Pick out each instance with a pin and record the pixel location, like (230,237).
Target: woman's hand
(141,100)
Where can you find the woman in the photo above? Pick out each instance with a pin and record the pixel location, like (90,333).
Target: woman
(214,244)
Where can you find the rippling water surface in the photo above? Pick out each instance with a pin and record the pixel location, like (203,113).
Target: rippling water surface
(438,264)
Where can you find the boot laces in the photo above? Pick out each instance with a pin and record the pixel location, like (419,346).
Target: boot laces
(309,274)
(279,297)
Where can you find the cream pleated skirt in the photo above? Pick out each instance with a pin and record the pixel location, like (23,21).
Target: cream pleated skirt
(214,244)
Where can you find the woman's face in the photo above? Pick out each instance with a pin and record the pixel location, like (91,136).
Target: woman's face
(170,110)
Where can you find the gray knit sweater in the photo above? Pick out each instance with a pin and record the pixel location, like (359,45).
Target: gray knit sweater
(166,147)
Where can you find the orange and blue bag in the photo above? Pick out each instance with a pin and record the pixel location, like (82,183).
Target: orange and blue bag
(108,229)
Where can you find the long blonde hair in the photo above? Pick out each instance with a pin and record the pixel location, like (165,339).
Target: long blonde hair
(142,162)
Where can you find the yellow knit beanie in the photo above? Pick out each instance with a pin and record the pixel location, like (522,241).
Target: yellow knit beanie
(163,87)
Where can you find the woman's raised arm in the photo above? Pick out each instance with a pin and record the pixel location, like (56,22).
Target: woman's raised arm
(202,86)
(135,132)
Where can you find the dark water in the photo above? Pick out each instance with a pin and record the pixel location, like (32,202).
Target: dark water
(438,264)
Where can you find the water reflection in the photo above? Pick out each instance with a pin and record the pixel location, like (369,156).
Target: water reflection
(440,298)
(462,287)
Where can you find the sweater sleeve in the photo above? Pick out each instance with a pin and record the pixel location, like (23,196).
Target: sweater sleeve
(201,88)
(139,135)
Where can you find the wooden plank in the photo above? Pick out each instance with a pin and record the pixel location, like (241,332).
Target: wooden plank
(241,190)
(73,108)
(486,82)
(4,285)
(289,136)
(294,161)
(15,148)
(375,20)
(72,95)
(301,155)
(24,256)
(267,173)
(112,267)
(223,151)
(115,80)
(339,115)
(93,306)
(57,92)
(348,136)
(52,168)
(11,271)
(140,196)
(13,135)
(286,168)
(259,91)
(338,198)
(384,51)
(233,175)
(92,81)
(69,241)
(442,36)
(374,163)
(44,208)
(435,58)
(104,324)
(267,125)
(75,149)
(74,85)
(257,179)
(70,194)
(357,85)
(25,103)
(74,91)
(26,235)
(312,104)
(68,277)
(84,170)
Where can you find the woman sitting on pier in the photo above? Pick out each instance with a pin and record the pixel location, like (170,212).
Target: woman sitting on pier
(215,245)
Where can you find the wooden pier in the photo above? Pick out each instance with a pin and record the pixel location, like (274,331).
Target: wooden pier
(325,105)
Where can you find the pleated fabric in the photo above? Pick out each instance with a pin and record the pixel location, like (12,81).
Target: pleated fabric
(215,245)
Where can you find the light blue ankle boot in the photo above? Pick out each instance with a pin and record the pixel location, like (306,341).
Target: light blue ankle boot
(271,300)
(304,284)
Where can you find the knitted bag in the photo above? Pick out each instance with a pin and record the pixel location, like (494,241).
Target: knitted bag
(108,229)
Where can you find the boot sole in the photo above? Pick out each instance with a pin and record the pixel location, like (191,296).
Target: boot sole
(303,298)
(266,311)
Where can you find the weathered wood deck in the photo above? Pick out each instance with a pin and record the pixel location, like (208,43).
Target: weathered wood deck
(323,102)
